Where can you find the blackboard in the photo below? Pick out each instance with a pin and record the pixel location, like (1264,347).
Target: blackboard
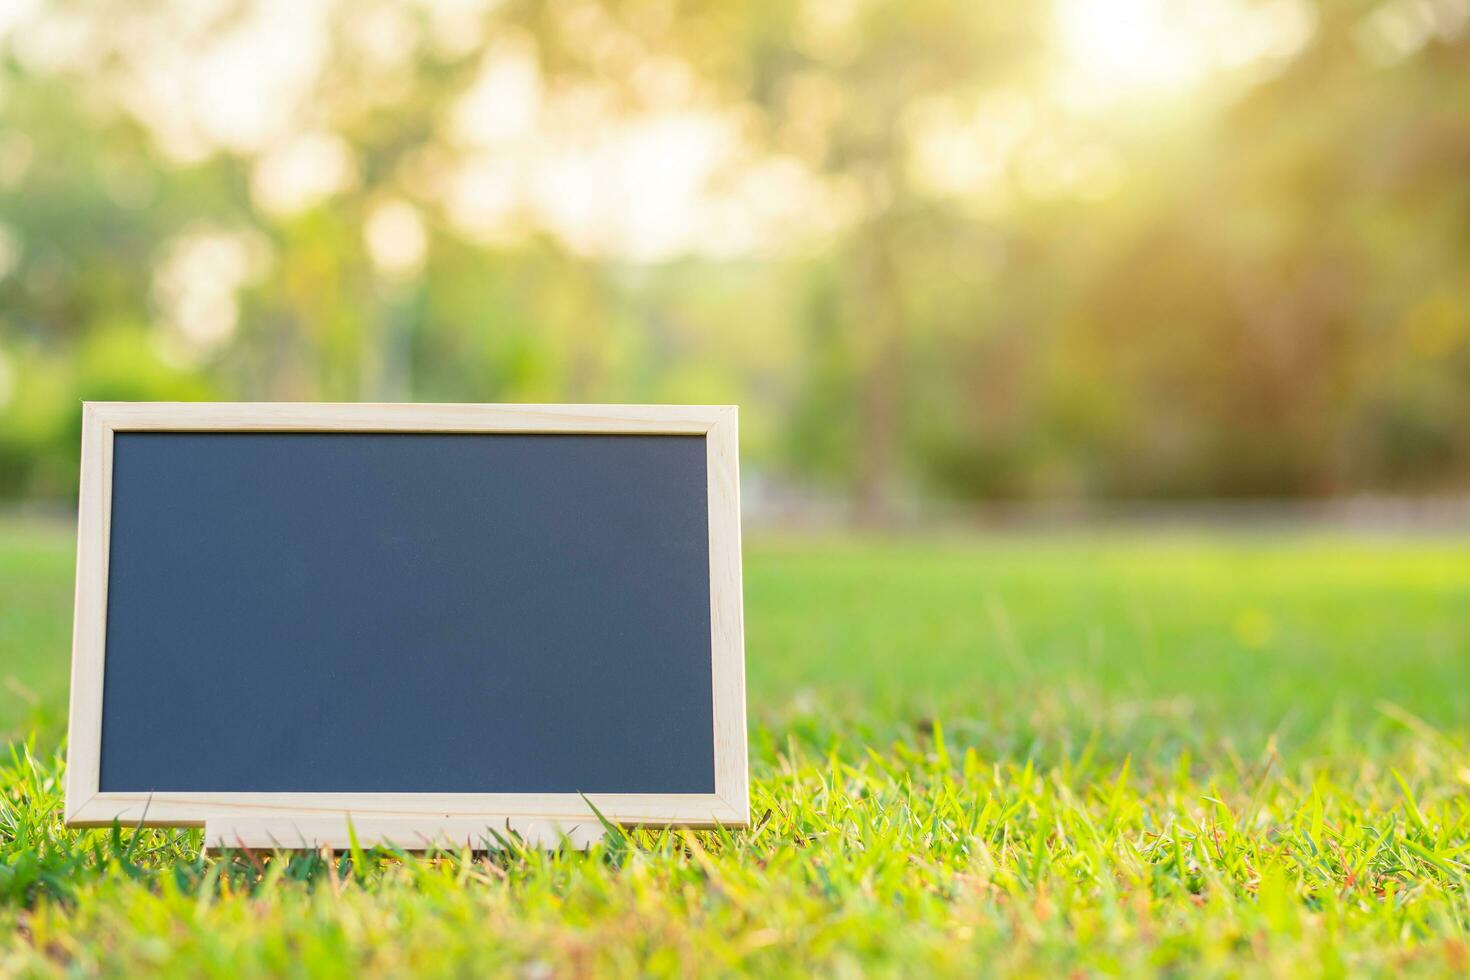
(370,612)
(418,621)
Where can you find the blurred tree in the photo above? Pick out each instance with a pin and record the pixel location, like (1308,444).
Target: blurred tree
(929,251)
(844,88)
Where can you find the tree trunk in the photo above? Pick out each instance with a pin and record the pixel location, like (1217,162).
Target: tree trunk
(879,332)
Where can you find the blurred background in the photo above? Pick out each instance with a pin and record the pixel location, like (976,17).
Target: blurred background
(943,254)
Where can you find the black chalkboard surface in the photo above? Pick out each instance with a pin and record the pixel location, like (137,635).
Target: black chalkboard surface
(407,612)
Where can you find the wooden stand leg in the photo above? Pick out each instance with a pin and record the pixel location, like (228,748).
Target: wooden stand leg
(405,833)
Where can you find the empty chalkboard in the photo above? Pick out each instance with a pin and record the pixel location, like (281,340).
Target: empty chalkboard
(356,611)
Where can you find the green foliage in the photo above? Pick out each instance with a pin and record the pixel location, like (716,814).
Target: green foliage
(1263,293)
(1025,756)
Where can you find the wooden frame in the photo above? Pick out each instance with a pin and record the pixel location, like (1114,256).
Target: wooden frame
(410,820)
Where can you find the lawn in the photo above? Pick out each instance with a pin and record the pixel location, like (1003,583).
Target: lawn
(1044,754)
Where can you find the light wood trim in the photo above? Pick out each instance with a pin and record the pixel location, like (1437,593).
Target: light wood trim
(727,617)
(416,834)
(89,616)
(343,417)
(402,818)
(192,809)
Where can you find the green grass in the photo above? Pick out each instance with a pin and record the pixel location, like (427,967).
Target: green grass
(1044,755)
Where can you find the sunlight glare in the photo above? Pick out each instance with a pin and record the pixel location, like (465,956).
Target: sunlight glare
(1130,45)
(1117,49)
